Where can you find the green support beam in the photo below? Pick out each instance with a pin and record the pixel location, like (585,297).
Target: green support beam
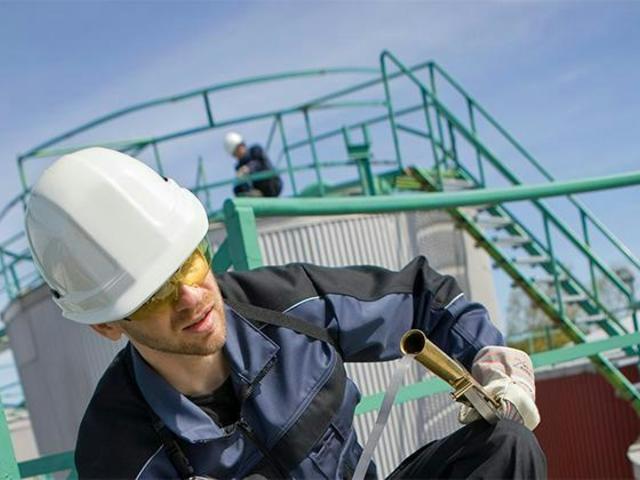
(57,462)
(222,259)
(242,236)
(430,201)
(8,465)
(583,350)
(434,385)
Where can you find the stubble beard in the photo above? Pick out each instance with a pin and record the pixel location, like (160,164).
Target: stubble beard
(177,344)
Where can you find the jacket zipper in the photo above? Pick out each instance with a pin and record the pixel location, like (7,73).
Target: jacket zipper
(249,390)
(248,433)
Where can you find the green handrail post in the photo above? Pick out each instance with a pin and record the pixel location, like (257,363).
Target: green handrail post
(371,180)
(472,123)
(548,337)
(390,112)
(8,465)
(201,179)
(434,94)
(5,274)
(242,236)
(207,107)
(287,155)
(365,134)
(634,319)
(359,153)
(434,142)
(272,131)
(585,236)
(23,177)
(554,266)
(14,275)
(221,260)
(314,153)
(454,148)
(156,156)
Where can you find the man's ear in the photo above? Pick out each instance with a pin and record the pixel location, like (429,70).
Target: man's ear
(110,330)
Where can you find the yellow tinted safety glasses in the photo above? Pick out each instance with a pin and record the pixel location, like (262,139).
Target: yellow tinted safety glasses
(192,272)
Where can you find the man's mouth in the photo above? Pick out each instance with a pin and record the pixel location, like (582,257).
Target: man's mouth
(203,324)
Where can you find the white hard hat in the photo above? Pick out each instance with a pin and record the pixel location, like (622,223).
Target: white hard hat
(231,142)
(106,231)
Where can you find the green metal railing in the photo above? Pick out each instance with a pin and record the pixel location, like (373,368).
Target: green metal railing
(453,146)
(17,272)
(567,287)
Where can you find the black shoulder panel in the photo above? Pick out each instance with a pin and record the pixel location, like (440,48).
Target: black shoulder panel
(275,288)
(281,287)
(115,439)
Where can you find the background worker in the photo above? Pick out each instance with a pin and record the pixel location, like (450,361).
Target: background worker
(238,374)
(251,160)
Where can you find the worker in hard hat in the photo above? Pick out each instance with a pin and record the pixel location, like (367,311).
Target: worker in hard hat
(251,160)
(241,374)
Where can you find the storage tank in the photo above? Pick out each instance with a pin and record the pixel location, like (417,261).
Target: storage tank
(60,362)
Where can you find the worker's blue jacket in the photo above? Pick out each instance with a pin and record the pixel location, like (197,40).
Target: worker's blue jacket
(286,380)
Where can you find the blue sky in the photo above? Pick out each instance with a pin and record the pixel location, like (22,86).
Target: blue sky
(561,76)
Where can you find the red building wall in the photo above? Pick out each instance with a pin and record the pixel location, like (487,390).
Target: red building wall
(585,429)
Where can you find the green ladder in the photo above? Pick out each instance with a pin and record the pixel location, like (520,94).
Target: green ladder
(527,253)
(533,264)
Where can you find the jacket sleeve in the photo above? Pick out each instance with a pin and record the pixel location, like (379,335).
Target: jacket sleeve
(368,309)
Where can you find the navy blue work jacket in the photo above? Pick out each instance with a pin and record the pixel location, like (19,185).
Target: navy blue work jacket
(278,372)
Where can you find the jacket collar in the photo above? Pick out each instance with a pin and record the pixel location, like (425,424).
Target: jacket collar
(249,351)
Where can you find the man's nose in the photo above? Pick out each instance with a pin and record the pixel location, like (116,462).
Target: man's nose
(188,297)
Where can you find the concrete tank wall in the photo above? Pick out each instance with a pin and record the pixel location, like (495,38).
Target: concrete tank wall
(60,362)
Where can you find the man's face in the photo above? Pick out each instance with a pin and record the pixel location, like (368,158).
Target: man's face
(240,150)
(194,324)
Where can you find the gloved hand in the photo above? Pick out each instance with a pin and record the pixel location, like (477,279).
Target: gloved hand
(506,373)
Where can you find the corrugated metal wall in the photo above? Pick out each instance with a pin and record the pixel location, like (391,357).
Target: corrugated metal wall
(586,429)
(60,362)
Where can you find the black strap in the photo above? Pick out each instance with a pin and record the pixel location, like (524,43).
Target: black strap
(272,317)
(301,437)
(175,453)
(297,442)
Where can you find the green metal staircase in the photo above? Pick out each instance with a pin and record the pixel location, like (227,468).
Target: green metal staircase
(532,264)
(530,257)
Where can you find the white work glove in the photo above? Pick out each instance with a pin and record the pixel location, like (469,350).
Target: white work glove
(506,373)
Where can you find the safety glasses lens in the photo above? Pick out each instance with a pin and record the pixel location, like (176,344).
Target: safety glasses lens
(192,272)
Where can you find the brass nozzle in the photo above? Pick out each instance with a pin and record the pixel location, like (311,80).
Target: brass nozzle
(465,388)
(416,343)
